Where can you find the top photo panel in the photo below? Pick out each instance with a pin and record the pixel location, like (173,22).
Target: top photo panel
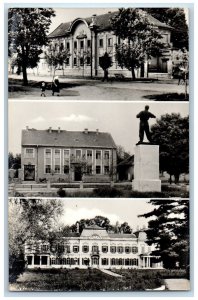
(98,54)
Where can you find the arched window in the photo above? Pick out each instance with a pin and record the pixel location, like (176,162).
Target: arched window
(113,261)
(68,261)
(134,249)
(85,248)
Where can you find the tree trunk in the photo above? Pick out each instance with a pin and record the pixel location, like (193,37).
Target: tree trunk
(133,72)
(25,80)
(176,178)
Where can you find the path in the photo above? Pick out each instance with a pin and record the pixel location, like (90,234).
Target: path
(110,273)
(177,284)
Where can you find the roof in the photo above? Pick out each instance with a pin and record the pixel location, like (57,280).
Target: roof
(70,139)
(102,22)
(122,235)
(129,161)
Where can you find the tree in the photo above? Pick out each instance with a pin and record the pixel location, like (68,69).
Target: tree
(105,63)
(14,162)
(174,17)
(27,34)
(168,229)
(171,133)
(56,59)
(141,39)
(30,218)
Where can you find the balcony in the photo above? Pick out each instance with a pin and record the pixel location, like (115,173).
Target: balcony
(95,252)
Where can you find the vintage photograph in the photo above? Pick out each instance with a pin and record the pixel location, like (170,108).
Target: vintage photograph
(98,245)
(98,149)
(93,53)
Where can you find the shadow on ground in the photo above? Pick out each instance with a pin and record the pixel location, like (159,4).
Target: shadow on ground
(168,97)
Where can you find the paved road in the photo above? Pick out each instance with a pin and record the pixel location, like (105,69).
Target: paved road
(80,89)
(177,284)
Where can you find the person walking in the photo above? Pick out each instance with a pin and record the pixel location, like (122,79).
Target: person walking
(43,88)
(55,86)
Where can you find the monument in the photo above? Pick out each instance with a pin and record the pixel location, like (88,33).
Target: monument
(146,158)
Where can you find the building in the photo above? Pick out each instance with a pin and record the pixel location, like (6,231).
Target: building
(67,156)
(88,39)
(94,247)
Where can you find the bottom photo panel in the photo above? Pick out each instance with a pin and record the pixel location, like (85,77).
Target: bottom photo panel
(63,245)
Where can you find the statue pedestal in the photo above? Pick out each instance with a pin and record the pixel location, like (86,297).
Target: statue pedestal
(146,169)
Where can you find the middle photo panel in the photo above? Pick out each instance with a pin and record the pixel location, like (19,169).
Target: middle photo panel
(98,149)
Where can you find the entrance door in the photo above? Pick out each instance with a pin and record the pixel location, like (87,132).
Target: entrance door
(95,262)
(29,172)
(164,66)
(78,174)
(43,260)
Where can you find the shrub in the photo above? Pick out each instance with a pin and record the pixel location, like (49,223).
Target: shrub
(61,192)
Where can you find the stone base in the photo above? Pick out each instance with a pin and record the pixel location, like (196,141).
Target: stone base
(146,185)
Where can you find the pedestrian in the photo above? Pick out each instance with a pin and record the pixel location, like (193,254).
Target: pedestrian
(55,86)
(144,116)
(105,75)
(43,88)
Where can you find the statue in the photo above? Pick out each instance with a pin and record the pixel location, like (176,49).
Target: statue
(144,116)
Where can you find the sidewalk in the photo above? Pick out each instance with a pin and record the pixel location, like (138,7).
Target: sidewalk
(177,284)
(110,273)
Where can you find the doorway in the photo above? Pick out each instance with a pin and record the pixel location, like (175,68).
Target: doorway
(78,173)
(29,172)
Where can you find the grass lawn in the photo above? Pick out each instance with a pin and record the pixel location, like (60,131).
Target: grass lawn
(86,280)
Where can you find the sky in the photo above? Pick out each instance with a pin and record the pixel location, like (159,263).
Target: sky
(69,14)
(117,118)
(121,210)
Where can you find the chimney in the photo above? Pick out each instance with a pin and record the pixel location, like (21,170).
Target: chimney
(27,127)
(97,131)
(50,129)
(59,130)
(86,130)
(94,19)
(77,227)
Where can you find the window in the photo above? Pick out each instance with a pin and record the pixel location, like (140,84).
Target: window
(113,262)
(89,154)
(60,248)
(57,161)
(67,61)
(81,61)
(127,249)
(68,261)
(98,154)
(75,61)
(113,249)
(63,261)
(120,249)
(75,44)
(106,154)
(66,169)
(67,249)
(44,248)
(88,43)
(110,42)
(29,153)
(104,249)
(53,261)
(134,249)
(85,261)
(101,43)
(61,47)
(105,261)
(78,154)
(106,170)
(48,161)
(95,249)
(85,248)
(88,60)
(98,169)
(81,44)
(134,262)
(89,170)
(75,249)
(68,45)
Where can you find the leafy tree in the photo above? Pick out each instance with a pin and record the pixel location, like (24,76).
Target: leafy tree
(168,228)
(174,17)
(14,162)
(30,218)
(56,59)
(171,132)
(125,228)
(105,63)
(141,39)
(27,34)
(121,153)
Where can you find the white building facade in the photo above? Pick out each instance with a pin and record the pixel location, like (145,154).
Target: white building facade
(95,248)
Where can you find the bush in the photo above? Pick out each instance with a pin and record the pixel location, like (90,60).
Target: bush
(61,193)
(107,192)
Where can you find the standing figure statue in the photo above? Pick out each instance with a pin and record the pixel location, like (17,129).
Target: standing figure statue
(144,116)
